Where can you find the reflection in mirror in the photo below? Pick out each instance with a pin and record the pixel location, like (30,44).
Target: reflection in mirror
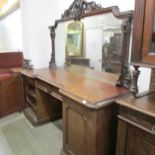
(98,46)
(153,38)
(60,43)
(74,39)
(103,42)
(95,42)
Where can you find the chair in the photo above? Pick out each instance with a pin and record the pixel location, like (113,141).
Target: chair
(11,86)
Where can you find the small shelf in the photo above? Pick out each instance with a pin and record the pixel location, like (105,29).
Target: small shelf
(32,93)
(32,104)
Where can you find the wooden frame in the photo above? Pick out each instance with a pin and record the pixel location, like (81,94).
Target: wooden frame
(147,57)
(81,9)
(141,44)
(142,33)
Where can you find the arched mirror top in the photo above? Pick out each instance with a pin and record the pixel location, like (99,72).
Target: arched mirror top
(111,32)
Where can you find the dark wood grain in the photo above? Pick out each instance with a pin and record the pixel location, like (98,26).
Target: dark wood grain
(152,81)
(94,131)
(89,123)
(135,135)
(139,142)
(81,87)
(143,104)
(40,104)
(142,32)
(138,21)
(147,33)
(121,138)
(11,95)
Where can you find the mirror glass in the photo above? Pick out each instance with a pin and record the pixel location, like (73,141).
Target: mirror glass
(97,45)
(74,39)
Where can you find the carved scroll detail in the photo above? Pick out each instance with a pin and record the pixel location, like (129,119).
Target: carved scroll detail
(78,7)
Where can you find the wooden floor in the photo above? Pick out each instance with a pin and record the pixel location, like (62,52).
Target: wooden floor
(19,137)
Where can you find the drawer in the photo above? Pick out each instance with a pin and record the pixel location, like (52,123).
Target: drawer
(134,117)
(50,89)
(43,86)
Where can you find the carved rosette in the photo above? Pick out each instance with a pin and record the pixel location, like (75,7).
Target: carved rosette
(78,7)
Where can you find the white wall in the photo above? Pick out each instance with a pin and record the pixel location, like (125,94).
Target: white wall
(11,32)
(37,15)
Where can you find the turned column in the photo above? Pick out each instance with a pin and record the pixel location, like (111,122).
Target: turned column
(134,85)
(52,63)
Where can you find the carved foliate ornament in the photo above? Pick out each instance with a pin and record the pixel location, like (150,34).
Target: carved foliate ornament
(78,7)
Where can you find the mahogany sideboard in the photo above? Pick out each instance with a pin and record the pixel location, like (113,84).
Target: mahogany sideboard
(136,126)
(89,112)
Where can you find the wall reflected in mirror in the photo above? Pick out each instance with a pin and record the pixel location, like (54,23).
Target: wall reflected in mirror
(97,46)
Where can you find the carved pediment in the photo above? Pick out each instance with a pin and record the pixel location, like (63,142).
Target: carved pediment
(80,6)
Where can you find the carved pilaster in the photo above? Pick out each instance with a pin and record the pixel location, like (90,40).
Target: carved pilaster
(135,75)
(124,78)
(52,63)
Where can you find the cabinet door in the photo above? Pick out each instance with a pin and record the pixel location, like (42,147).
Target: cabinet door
(143,45)
(139,142)
(148,43)
(11,95)
(79,138)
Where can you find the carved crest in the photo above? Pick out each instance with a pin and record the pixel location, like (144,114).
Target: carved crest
(78,7)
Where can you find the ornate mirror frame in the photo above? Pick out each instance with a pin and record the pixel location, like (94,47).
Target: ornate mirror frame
(80,9)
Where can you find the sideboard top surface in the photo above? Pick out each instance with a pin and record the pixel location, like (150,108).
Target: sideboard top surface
(82,84)
(145,104)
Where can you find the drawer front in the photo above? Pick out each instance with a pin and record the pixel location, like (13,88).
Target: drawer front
(43,86)
(143,120)
(50,89)
(29,80)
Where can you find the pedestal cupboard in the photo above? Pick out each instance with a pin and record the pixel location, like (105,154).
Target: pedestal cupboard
(88,131)
(136,126)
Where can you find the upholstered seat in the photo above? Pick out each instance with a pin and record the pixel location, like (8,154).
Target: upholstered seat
(5,74)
